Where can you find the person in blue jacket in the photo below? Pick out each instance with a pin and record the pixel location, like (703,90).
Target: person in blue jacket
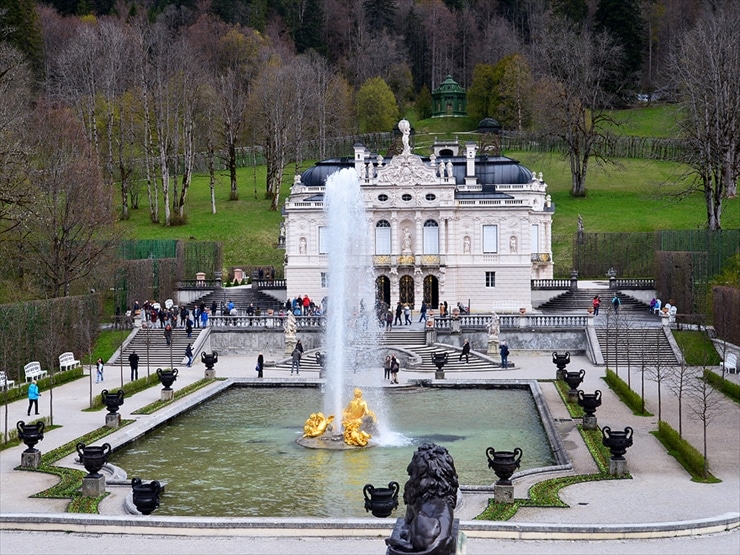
(33,397)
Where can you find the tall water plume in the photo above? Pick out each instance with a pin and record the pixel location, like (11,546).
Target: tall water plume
(351,322)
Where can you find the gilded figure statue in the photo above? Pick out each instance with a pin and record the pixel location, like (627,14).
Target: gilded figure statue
(317,424)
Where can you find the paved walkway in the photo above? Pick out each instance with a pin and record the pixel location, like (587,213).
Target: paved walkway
(660,494)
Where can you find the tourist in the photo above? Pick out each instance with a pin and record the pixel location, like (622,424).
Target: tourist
(389,320)
(504,350)
(296,364)
(658,304)
(33,397)
(616,304)
(133,362)
(306,305)
(407,314)
(168,334)
(465,352)
(189,354)
(184,316)
(596,303)
(399,312)
(395,366)
(652,306)
(260,365)
(387,368)
(204,318)
(423,311)
(99,367)
(189,327)
(299,346)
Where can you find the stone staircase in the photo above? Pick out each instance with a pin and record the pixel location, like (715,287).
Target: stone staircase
(582,299)
(158,351)
(242,298)
(636,347)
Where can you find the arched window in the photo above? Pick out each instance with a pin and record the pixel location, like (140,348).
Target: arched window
(382,237)
(431,237)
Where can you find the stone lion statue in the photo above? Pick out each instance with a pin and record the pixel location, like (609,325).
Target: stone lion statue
(430,495)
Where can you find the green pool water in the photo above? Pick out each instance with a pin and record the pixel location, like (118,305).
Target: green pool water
(236,455)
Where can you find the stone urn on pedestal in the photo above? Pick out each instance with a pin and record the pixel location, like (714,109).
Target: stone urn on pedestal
(30,434)
(561,361)
(93,457)
(617,442)
(574,379)
(112,402)
(504,464)
(590,402)
(439,360)
(146,496)
(381,502)
(167,378)
(209,359)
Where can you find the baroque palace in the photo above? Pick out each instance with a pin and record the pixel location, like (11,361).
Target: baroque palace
(457,226)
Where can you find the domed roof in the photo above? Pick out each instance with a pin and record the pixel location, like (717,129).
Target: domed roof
(449,85)
(489,125)
(316,176)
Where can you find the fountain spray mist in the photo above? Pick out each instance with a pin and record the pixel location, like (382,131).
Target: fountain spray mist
(351,323)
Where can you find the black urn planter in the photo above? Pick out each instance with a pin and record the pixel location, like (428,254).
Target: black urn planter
(617,441)
(381,501)
(112,401)
(30,434)
(93,457)
(209,359)
(589,401)
(146,496)
(574,379)
(504,463)
(167,377)
(439,360)
(561,361)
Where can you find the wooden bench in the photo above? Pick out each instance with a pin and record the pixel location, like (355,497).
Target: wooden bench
(5,382)
(68,361)
(730,363)
(33,371)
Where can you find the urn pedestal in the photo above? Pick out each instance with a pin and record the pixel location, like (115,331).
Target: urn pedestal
(93,486)
(167,378)
(590,402)
(32,459)
(439,360)
(381,502)
(210,360)
(93,457)
(146,496)
(617,441)
(30,434)
(503,463)
(112,420)
(561,361)
(574,379)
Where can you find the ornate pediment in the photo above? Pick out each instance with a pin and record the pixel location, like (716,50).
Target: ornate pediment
(406,170)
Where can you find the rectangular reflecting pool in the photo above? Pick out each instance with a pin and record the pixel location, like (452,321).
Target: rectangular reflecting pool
(236,455)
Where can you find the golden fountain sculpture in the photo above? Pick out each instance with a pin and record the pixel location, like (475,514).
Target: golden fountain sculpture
(357,419)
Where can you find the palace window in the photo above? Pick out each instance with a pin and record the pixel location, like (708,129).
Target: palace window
(383,237)
(490,279)
(490,239)
(431,237)
(323,240)
(535,241)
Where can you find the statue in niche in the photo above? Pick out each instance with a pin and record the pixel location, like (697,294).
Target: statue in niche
(449,169)
(405,127)
(302,245)
(513,244)
(441,168)
(466,245)
(406,245)
(494,328)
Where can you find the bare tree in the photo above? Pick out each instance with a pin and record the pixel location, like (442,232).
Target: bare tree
(706,68)
(67,232)
(704,406)
(575,67)
(678,381)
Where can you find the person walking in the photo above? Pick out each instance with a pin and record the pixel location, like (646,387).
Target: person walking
(99,369)
(204,319)
(465,352)
(296,364)
(168,334)
(389,320)
(616,303)
(33,397)
(423,312)
(189,327)
(395,366)
(387,368)
(189,354)
(399,312)
(596,303)
(133,362)
(260,365)
(407,314)
(504,350)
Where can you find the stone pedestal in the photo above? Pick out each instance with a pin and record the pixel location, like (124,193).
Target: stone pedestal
(618,467)
(589,423)
(431,335)
(112,420)
(167,394)
(560,374)
(31,459)
(290,343)
(93,486)
(439,374)
(503,493)
(210,374)
(573,396)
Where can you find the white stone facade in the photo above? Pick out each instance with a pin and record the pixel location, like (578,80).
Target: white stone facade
(447,228)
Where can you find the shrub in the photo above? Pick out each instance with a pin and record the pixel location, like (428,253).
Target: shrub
(625,394)
(682,450)
(731,389)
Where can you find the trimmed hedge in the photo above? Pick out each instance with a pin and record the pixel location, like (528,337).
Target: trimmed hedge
(60,378)
(625,393)
(731,389)
(682,450)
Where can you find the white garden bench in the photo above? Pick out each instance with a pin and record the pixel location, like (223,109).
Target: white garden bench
(5,382)
(33,371)
(68,361)
(730,363)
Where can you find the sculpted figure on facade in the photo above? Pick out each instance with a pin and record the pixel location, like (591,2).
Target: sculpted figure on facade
(466,245)
(406,245)
(302,246)
(405,127)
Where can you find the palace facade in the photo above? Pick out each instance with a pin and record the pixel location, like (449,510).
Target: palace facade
(454,226)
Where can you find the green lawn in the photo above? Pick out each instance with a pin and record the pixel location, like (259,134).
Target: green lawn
(648,121)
